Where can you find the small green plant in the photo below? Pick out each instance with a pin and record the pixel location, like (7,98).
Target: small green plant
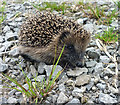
(38,90)
(81,3)
(94,11)
(53,6)
(2,9)
(108,36)
(117,3)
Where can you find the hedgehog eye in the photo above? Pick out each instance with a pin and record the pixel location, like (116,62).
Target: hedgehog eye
(70,47)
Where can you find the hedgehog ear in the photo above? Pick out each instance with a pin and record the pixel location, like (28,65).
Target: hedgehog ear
(63,35)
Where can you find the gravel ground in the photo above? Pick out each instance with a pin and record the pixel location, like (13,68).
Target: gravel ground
(94,83)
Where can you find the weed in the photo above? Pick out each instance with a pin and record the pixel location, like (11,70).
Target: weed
(37,91)
(117,4)
(108,36)
(97,13)
(2,9)
(52,6)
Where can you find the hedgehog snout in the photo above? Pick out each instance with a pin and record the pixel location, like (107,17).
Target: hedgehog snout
(80,63)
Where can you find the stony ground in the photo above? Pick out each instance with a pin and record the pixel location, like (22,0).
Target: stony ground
(93,83)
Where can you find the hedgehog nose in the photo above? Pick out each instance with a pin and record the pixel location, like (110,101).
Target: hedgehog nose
(79,64)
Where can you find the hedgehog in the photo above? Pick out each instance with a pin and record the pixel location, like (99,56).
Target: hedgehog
(44,32)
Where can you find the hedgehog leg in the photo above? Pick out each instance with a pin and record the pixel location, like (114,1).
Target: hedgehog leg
(66,65)
(28,58)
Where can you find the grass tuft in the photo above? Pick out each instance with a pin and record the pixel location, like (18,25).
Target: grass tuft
(2,10)
(52,6)
(98,13)
(108,36)
(37,91)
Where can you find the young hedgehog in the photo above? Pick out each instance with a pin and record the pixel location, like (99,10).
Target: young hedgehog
(40,35)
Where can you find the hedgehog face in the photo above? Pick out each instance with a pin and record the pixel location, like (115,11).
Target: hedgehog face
(75,46)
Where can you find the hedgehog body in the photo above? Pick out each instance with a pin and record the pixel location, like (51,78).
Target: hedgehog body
(42,33)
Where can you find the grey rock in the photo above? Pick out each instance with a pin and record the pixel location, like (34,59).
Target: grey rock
(99,31)
(21,64)
(77,92)
(6,29)
(13,24)
(40,78)
(106,8)
(113,90)
(70,84)
(62,87)
(90,27)
(12,100)
(93,55)
(101,2)
(3,67)
(77,72)
(112,66)
(101,86)
(48,69)
(118,59)
(90,85)
(19,19)
(8,44)
(9,16)
(46,101)
(78,14)
(18,93)
(29,75)
(1,88)
(80,21)
(13,61)
(11,36)
(74,101)
(108,72)
(26,86)
(90,70)
(84,20)
(14,52)
(70,97)
(41,68)
(54,98)
(82,80)
(15,72)
(33,70)
(17,29)
(114,24)
(98,68)
(1,60)
(91,64)
(13,84)
(26,3)
(106,98)
(3,100)
(3,48)
(63,79)
(0,80)
(102,27)
(17,7)
(111,9)
(104,59)
(119,67)
(92,44)
(62,98)
(7,59)
(1,39)
(94,88)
